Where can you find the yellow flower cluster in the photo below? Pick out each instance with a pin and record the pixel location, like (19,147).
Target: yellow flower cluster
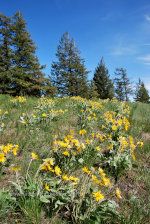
(45,102)
(116,120)
(49,165)
(6,149)
(36,115)
(19,99)
(104,180)
(68,146)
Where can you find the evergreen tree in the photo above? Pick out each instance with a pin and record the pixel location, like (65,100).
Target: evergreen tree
(141,93)
(122,85)
(103,82)
(92,93)
(28,78)
(5,54)
(50,91)
(69,74)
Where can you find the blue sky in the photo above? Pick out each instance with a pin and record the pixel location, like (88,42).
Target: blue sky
(118,30)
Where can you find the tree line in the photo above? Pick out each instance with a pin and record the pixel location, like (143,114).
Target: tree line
(22,74)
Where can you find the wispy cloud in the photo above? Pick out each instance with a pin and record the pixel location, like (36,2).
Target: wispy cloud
(117,52)
(145,58)
(147,17)
(124,50)
(147,44)
(147,63)
(106,17)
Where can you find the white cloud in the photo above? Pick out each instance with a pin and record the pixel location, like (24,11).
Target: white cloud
(145,59)
(147,17)
(147,63)
(147,44)
(121,50)
(117,52)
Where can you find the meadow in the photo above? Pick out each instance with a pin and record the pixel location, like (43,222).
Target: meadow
(73,160)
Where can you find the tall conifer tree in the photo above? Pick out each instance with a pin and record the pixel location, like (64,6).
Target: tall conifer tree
(69,74)
(27,72)
(123,87)
(103,82)
(92,93)
(5,54)
(141,93)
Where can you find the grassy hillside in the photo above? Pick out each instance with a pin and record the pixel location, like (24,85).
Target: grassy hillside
(72,160)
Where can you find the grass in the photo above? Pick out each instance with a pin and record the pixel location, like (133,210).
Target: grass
(134,185)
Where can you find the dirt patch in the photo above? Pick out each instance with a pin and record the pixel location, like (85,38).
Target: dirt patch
(146,136)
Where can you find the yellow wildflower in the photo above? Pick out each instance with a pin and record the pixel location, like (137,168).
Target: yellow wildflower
(57,170)
(15,150)
(110,146)
(85,169)
(118,193)
(93,135)
(82,132)
(89,118)
(51,162)
(65,177)
(101,172)
(47,187)
(106,181)
(133,156)
(140,144)
(98,148)
(15,168)
(96,181)
(66,153)
(42,167)
(2,157)
(114,127)
(34,156)
(74,153)
(98,196)
(73,178)
(44,115)
(74,184)
(82,146)
(72,132)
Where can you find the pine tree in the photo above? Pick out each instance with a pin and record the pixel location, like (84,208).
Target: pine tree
(141,93)
(69,74)
(137,90)
(122,85)
(5,54)
(103,82)
(28,78)
(92,93)
(50,90)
